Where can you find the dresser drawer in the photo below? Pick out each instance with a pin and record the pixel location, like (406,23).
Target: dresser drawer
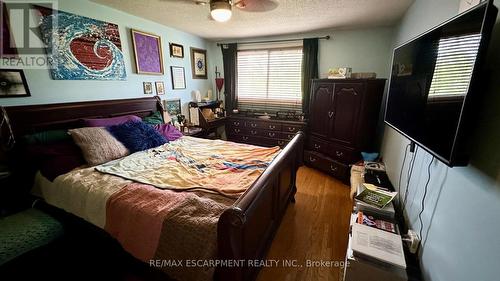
(317,145)
(273,126)
(236,123)
(291,129)
(327,165)
(342,154)
(232,130)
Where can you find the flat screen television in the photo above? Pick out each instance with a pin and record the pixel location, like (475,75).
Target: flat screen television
(435,84)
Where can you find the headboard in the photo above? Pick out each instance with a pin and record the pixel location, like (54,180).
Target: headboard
(35,118)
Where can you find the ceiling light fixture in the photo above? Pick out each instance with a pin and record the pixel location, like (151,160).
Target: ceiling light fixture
(221,10)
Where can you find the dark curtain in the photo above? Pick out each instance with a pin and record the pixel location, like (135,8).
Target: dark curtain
(309,70)
(229,57)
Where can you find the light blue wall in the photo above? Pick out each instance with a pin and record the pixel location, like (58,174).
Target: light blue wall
(461,240)
(45,90)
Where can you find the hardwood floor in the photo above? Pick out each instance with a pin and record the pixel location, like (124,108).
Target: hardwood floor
(315,228)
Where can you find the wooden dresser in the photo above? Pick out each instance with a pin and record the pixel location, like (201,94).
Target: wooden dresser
(262,132)
(342,123)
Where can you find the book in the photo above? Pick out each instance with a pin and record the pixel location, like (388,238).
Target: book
(377,223)
(378,244)
(375,196)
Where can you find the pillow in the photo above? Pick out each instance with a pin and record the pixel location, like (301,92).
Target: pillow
(55,159)
(169,131)
(137,136)
(104,122)
(46,137)
(98,145)
(154,119)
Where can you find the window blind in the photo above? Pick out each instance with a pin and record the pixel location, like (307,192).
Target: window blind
(454,65)
(269,80)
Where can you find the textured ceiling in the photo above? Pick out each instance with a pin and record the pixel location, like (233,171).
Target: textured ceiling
(291,16)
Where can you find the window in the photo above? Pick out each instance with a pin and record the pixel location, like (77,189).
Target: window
(454,65)
(269,80)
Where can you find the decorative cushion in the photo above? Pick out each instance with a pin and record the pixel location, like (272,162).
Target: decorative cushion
(169,131)
(98,145)
(47,137)
(26,231)
(137,136)
(154,119)
(104,122)
(55,159)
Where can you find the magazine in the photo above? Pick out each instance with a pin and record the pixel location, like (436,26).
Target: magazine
(375,196)
(377,223)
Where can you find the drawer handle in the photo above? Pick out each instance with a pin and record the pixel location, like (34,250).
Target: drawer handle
(272,127)
(237,130)
(317,146)
(339,153)
(236,123)
(245,138)
(334,169)
(253,125)
(281,143)
(312,159)
(350,90)
(330,114)
(291,129)
(253,132)
(272,135)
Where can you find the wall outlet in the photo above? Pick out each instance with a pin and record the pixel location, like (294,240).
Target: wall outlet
(412,240)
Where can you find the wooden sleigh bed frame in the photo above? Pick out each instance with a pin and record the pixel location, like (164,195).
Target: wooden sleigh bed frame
(245,230)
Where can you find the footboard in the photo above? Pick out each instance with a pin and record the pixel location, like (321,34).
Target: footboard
(246,230)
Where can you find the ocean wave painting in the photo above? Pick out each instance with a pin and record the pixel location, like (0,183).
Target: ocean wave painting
(82,48)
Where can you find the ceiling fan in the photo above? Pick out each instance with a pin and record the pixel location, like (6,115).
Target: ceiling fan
(221,10)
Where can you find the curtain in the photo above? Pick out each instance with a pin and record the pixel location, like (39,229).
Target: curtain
(229,57)
(309,70)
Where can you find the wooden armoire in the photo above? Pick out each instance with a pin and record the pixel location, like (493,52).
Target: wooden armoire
(343,117)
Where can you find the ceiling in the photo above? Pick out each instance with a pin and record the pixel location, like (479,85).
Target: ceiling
(291,16)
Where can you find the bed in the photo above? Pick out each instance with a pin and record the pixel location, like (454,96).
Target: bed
(246,223)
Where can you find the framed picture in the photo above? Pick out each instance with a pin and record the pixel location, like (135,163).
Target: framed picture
(199,63)
(148,52)
(160,88)
(178,77)
(148,88)
(173,107)
(13,84)
(176,50)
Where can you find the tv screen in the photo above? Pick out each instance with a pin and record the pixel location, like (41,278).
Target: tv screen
(434,81)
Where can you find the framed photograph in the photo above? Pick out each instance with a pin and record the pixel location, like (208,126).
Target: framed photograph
(160,88)
(199,63)
(178,77)
(13,84)
(176,50)
(148,88)
(148,53)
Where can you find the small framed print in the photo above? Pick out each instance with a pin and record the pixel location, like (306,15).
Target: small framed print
(13,83)
(160,88)
(178,77)
(176,50)
(199,63)
(148,88)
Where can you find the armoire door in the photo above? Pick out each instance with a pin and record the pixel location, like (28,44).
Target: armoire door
(346,106)
(321,109)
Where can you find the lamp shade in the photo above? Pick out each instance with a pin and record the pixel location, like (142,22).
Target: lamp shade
(220,10)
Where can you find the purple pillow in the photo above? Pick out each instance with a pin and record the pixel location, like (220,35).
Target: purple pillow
(105,122)
(55,159)
(168,131)
(137,136)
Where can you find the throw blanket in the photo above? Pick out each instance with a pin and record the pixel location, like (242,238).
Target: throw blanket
(194,164)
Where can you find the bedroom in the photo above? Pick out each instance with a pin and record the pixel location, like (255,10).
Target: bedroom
(363,35)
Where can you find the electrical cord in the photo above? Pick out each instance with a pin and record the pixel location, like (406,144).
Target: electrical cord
(401,174)
(409,174)
(422,205)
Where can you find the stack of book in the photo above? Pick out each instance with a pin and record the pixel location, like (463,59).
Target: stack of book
(375,200)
